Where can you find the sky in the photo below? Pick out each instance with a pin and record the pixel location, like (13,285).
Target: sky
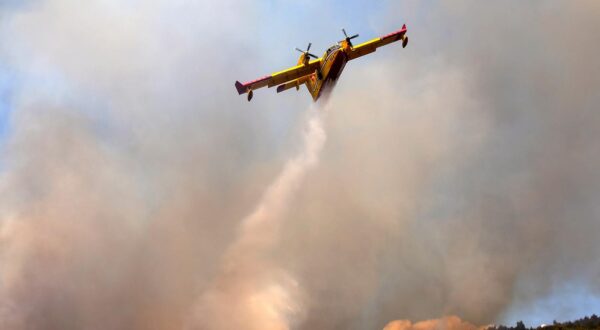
(456,177)
(5,85)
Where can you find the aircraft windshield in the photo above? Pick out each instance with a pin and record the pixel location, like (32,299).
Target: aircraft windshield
(332,48)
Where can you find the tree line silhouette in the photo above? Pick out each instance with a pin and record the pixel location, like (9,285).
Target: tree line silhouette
(586,323)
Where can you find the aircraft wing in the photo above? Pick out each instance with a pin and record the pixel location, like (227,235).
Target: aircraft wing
(293,83)
(280,77)
(372,45)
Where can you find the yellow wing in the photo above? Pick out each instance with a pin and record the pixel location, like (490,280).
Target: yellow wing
(293,83)
(372,45)
(280,77)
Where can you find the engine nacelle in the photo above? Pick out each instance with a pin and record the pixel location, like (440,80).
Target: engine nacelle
(250,95)
(404,41)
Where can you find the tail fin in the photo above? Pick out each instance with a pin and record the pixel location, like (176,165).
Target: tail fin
(240,88)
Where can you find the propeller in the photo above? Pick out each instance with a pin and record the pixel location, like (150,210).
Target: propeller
(306,52)
(349,38)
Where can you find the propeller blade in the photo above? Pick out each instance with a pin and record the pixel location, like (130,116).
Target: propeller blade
(308,48)
(300,50)
(312,55)
(343,30)
(354,36)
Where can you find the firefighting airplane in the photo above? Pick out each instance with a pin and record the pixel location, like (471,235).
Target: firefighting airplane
(320,73)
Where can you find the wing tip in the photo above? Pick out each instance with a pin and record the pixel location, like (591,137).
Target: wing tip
(240,87)
(396,34)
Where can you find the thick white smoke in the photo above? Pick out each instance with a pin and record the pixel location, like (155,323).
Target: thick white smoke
(251,291)
(459,176)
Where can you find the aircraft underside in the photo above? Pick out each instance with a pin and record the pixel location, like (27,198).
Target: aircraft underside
(330,72)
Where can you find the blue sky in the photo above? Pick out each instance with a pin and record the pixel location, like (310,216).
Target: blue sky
(6,86)
(566,302)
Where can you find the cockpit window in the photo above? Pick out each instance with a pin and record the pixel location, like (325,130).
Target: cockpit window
(332,48)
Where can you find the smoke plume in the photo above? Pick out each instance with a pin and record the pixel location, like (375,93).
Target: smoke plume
(250,291)
(459,175)
(446,323)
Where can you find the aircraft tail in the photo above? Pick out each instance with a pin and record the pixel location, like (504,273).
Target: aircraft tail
(240,87)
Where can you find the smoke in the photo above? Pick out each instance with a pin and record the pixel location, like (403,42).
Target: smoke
(446,323)
(459,175)
(250,291)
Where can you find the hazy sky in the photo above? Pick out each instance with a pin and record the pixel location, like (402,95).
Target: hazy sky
(458,177)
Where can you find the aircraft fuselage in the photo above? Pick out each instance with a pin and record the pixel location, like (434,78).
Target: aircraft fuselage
(334,61)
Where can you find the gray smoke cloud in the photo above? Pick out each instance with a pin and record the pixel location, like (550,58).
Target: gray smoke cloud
(249,291)
(459,175)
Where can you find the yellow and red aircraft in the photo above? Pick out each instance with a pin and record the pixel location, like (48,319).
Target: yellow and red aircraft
(320,73)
